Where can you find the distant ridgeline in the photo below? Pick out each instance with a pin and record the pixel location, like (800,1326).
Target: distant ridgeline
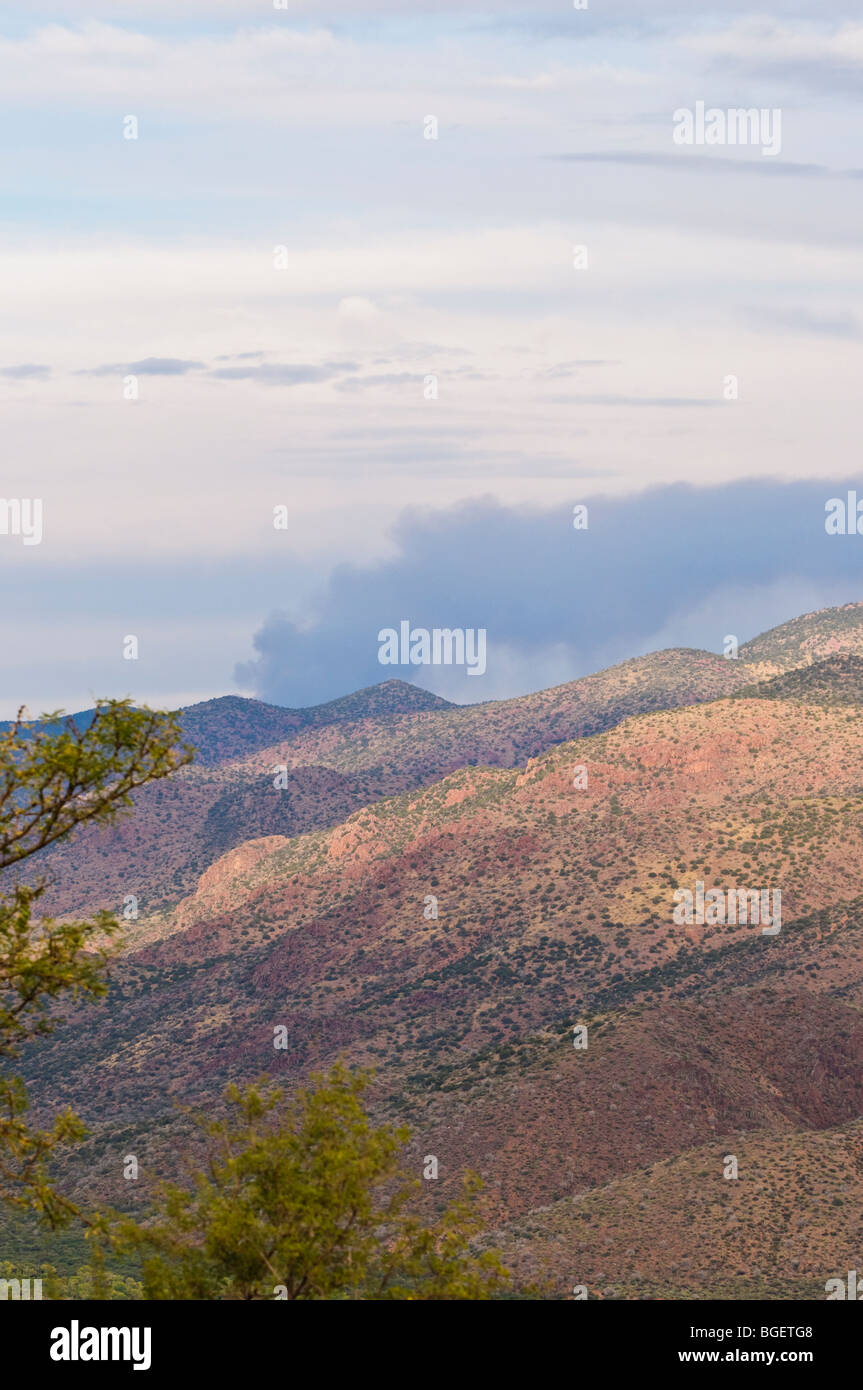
(82,720)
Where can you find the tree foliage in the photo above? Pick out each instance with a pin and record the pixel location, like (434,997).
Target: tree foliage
(303,1199)
(56,776)
(89,1282)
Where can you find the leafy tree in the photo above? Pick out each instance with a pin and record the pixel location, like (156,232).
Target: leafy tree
(88,1282)
(303,1199)
(54,777)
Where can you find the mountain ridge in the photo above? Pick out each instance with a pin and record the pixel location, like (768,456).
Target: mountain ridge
(453,933)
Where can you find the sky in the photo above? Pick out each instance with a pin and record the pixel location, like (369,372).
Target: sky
(426,279)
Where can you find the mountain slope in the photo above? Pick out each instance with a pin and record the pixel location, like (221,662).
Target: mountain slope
(811,637)
(789,1222)
(455,934)
(231,727)
(555,907)
(385,739)
(339,759)
(836,680)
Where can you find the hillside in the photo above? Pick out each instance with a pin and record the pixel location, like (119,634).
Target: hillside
(231,727)
(454,934)
(340,757)
(555,907)
(811,637)
(837,680)
(789,1222)
(377,742)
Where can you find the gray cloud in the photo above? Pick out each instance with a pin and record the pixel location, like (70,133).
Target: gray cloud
(708,163)
(661,402)
(534,14)
(413,352)
(148,366)
(453,460)
(382,379)
(285,373)
(805,321)
(26,371)
(561,369)
(673,560)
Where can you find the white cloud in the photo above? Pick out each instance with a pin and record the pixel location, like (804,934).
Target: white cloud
(764,42)
(100,62)
(356,307)
(310,76)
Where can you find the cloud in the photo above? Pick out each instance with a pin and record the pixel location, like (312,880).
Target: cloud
(355,306)
(63,637)
(364,383)
(652,402)
(268,373)
(96,62)
(148,366)
(284,373)
(279,69)
(621,12)
(561,369)
(26,371)
(816,56)
(477,264)
(708,163)
(685,563)
(805,321)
